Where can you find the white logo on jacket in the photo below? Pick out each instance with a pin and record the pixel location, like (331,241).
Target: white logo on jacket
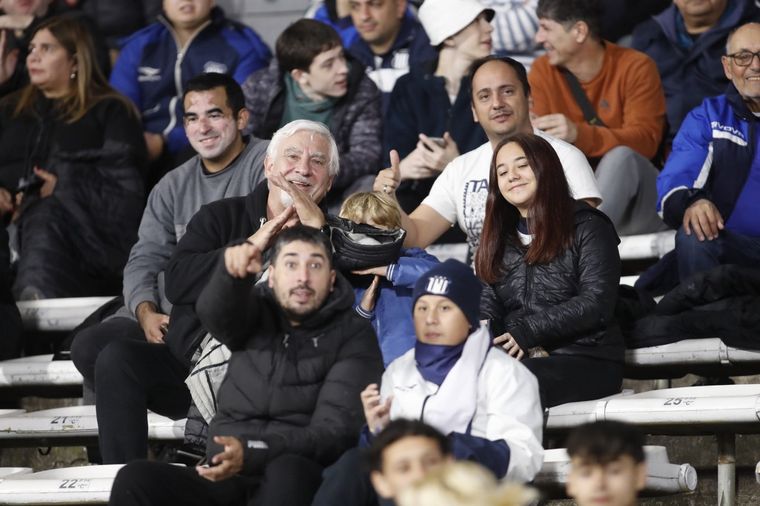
(728,132)
(148,74)
(215,67)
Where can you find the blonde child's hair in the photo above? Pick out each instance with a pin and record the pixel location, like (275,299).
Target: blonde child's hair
(464,483)
(378,206)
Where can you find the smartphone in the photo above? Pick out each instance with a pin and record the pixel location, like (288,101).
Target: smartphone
(188,458)
(438,140)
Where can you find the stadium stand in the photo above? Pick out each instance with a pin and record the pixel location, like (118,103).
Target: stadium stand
(723,410)
(64,314)
(92,484)
(72,426)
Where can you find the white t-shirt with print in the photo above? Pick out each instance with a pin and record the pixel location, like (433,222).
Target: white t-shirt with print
(459,193)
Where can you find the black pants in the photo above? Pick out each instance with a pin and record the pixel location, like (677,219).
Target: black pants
(288,480)
(90,341)
(133,377)
(570,378)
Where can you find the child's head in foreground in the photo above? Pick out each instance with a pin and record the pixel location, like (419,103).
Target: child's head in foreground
(372,208)
(607,464)
(463,483)
(404,453)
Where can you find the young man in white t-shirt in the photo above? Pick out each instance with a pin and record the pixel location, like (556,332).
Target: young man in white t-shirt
(500,93)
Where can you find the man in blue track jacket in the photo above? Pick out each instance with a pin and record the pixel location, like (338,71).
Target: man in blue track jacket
(710,186)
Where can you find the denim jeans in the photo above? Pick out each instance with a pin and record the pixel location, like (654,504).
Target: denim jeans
(729,248)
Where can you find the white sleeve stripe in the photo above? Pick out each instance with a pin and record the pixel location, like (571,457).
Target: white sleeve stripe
(704,172)
(720,134)
(671,192)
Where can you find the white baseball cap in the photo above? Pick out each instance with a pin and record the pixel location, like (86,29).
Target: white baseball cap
(443,18)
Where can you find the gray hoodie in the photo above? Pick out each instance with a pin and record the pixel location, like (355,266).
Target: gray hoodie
(171,204)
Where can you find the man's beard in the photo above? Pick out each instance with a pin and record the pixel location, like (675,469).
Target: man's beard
(297,317)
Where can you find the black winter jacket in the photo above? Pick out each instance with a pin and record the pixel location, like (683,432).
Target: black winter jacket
(214,227)
(75,242)
(566,306)
(721,302)
(296,389)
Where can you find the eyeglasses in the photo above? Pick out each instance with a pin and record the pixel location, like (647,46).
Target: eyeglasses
(744,58)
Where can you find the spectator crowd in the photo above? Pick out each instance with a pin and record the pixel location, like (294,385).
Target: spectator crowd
(261,220)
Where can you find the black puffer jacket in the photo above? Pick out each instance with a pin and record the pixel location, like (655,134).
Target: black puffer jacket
(566,306)
(75,242)
(296,389)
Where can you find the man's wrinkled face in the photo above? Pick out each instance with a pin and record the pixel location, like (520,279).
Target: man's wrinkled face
(746,79)
(301,278)
(210,123)
(499,102)
(188,14)
(304,160)
(406,462)
(558,40)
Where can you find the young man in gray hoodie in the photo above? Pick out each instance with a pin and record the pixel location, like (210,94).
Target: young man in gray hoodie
(227,165)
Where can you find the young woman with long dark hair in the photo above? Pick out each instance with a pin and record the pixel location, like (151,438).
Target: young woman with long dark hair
(552,268)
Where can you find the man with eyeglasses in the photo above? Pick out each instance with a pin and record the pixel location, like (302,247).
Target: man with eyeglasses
(710,185)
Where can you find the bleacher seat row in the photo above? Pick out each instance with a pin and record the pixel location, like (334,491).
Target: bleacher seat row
(92,484)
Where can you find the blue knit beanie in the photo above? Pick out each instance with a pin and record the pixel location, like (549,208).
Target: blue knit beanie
(456,281)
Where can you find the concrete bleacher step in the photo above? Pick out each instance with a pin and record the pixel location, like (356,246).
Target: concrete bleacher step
(58,314)
(639,247)
(631,247)
(691,351)
(73,485)
(38,370)
(685,410)
(707,357)
(55,427)
(7,472)
(663,477)
(722,410)
(92,484)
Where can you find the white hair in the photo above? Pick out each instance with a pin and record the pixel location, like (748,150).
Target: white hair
(313,126)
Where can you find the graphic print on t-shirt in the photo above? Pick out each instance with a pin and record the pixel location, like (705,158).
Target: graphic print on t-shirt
(474,210)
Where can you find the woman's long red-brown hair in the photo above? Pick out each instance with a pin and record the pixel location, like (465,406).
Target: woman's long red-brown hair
(550,218)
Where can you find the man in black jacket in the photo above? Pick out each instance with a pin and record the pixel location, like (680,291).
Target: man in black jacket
(131,377)
(290,402)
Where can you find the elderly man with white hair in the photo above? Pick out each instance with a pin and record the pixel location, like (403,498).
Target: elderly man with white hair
(301,163)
